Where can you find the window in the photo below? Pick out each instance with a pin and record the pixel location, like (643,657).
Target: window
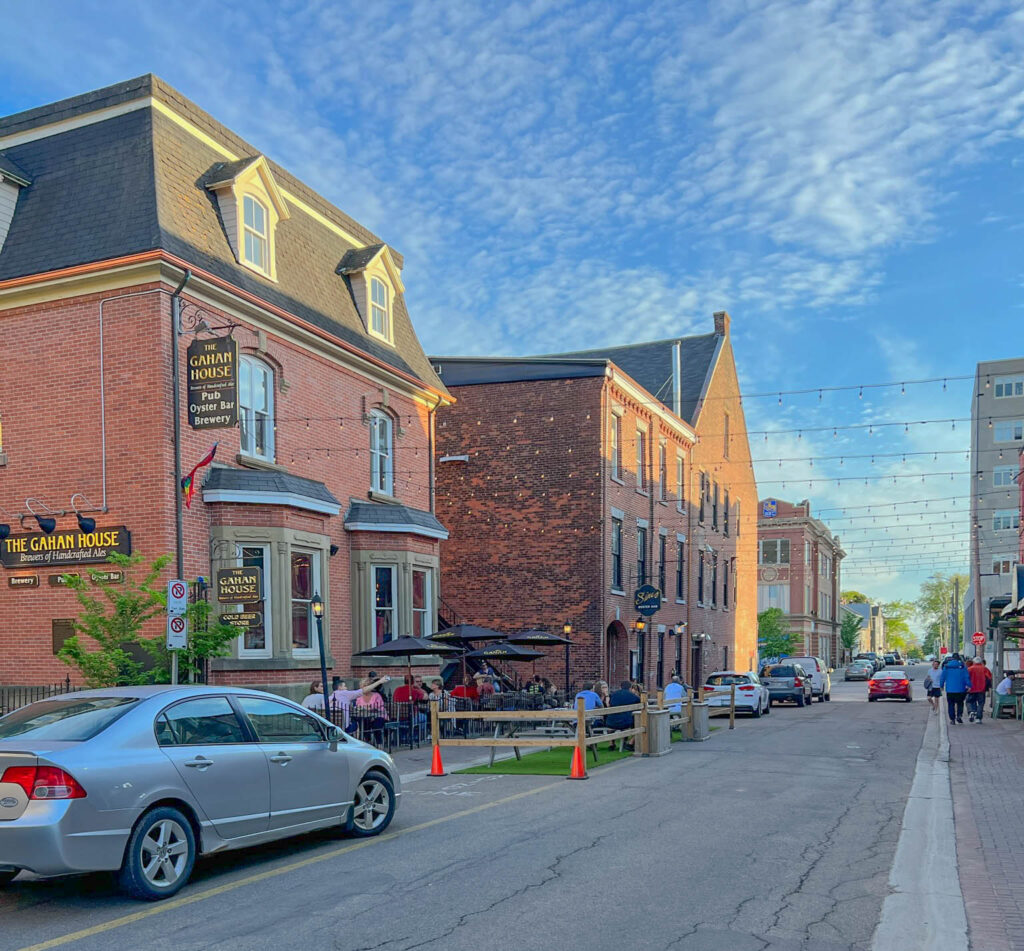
(641,460)
(807,553)
(773,596)
(725,513)
(680,570)
(825,566)
(276,722)
(381,453)
(725,434)
(714,507)
(617,554)
(808,606)
(662,472)
(774,551)
(1002,566)
(383,603)
(703,493)
(255,250)
(680,484)
(725,583)
(305,583)
(256,408)
(700,577)
(422,613)
(616,446)
(256,641)
(1009,430)
(1003,475)
(662,543)
(714,578)
(380,310)
(641,555)
(1003,519)
(1009,386)
(199,722)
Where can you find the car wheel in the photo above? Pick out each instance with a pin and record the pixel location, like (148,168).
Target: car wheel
(828,698)
(768,706)
(800,700)
(872,699)
(7,876)
(821,698)
(907,699)
(374,806)
(160,855)
(755,711)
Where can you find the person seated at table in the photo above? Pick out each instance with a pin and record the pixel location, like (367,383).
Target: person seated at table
(675,689)
(408,691)
(1005,685)
(591,701)
(467,691)
(485,687)
(535,685)
(315,698)
(622,697)
(439,694)
(341,699)
(601,689)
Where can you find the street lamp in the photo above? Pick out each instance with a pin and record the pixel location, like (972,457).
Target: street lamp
(318,612)
(678,630)
(698,640)
(641,655)
(567,631)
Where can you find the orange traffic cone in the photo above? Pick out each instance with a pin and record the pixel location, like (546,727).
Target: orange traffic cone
(436,766)
(578,769)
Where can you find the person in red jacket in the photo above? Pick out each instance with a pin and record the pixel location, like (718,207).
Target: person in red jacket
(980,682)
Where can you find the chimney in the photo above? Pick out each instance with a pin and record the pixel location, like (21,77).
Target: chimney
(722,323)
(677,379)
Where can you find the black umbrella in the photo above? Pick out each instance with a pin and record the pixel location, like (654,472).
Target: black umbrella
(537,638)
(463,635)
(504,651)
(408,647)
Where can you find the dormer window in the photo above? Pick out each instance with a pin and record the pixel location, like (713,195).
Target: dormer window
(380,312)
(254,224)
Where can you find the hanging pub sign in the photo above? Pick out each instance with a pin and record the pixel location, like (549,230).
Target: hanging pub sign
(212,383)
(35,549)
(647,599)
(240,585)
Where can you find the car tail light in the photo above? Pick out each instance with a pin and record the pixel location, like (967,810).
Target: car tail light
(904,683)
(797,682)
(43,782)
(747,687)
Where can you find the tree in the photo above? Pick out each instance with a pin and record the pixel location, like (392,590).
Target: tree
(773,637)
(853,597)
(934,605)
(109,647)
(849,630)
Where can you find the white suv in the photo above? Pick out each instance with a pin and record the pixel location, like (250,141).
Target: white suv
(821,682)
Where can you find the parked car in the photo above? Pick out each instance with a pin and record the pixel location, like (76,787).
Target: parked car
(890,660)
(821,682)
(859,670)
(787,681)
(890,685)
(876,661)
(142,780)
(751,694)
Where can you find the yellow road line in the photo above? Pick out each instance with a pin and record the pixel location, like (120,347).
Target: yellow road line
(273,873)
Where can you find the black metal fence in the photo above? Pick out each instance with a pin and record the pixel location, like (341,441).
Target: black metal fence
(13,697)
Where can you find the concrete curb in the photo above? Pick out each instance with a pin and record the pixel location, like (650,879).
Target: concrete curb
(943,752)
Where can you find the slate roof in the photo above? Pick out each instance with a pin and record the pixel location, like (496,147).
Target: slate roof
(227,171)
(257,480)
(382,514)
(358,258)
(137,182)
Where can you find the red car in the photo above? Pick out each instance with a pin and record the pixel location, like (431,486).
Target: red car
(890,685)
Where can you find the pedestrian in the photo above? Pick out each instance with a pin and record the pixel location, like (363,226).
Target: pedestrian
(954,680)
(980,683)
(675,689)
(931,686)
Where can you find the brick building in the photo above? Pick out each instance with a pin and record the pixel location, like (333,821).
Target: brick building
(569,480)
(117,208)
(798,572)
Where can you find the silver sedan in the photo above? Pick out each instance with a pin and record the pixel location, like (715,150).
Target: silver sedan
(141,780)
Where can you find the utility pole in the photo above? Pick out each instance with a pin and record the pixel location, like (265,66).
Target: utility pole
(975,540)
(954,618)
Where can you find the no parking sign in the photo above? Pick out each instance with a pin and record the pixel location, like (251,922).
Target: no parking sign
(177,633)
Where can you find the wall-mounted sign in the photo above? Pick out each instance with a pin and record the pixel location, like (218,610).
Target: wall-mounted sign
(212,383)
(23,581)
(240,585)
(242,619)
(109,577)
(769,508)
(35,549)
(57,581)
(647,599)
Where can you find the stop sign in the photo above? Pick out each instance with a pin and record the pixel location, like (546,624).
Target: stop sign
(943,650)
(978,638)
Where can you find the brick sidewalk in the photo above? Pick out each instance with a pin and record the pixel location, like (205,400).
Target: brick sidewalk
(987,778)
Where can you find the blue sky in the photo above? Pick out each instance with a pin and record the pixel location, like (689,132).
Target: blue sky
(843,177)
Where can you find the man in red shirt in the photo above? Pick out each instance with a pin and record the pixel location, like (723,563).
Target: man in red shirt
(408,692)
(981,681)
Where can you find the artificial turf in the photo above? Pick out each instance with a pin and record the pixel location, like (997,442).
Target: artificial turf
(546,763)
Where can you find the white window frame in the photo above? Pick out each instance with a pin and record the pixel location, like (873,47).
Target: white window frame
(1004,520)
(268,613)
(765,599)
(641,460)
(615,555)
(382,453)
(662,471)
(259,238)
(1008,430)
(316,574)
(393,568)
(1015,385)
(1003,565)
(380,310)
(680,481)
(249,414)
(777,543)
(427,611)
(616,447)
(1004,475)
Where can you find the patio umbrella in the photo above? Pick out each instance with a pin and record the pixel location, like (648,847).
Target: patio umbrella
(408,647)
(505,651)
(462,635)
(539,638)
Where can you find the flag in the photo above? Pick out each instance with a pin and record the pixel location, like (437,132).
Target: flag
(188,483)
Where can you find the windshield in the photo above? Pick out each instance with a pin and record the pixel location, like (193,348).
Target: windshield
(75,720)
(780,672)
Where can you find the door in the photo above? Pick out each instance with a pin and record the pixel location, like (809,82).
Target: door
(309,782)
(227,774)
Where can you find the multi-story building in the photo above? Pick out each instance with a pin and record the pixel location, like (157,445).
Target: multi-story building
(798,572)
(997,434)
(571,480)
(873,627)
(141,240)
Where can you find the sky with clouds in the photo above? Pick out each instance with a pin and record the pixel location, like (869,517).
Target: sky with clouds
(842,175)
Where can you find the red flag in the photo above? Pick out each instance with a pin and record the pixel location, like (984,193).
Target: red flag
(188,483)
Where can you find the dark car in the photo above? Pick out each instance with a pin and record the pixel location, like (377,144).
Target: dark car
(787,682)
(875,659)
(890,660)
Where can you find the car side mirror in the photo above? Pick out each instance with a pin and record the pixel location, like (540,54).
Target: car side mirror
(335,735)
(912,678)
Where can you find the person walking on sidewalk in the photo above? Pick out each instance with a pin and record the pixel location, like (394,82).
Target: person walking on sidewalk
(932,689)
(980,683)
(954,680)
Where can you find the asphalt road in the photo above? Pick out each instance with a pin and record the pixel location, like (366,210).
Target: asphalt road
(777,835)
